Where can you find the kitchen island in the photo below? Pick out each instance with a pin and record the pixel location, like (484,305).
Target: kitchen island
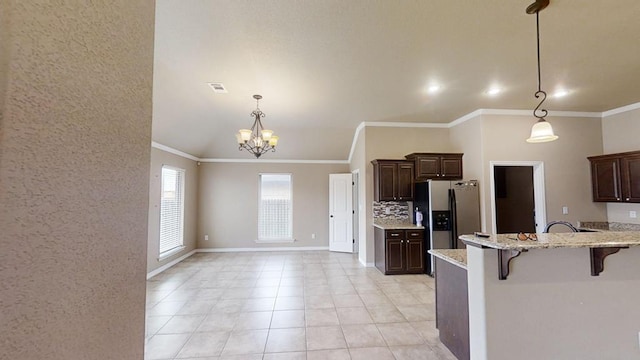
(563,296)
(452,303)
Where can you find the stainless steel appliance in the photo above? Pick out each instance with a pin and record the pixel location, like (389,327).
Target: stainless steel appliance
(452,209)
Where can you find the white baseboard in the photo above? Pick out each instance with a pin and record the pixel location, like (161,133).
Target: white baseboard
(169,264)
(282,248)
(366,264)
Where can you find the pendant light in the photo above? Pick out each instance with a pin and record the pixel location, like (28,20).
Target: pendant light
(542,130)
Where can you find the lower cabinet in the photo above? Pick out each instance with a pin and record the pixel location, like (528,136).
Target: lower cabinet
(399,251)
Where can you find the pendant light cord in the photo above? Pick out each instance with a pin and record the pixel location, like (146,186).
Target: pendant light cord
(538,43)
(539,93)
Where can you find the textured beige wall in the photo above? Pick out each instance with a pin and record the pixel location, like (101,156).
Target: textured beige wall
(566,168)
(620,134)
(228,203)
(74,178)
(158,159)
(395,143)
(4,54)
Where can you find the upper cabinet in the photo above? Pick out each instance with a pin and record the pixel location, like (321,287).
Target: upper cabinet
(436,166)
(616,177)
(392,180)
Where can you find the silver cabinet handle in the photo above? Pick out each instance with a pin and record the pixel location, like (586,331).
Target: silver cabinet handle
(627,199)
(394,234)
(615,181)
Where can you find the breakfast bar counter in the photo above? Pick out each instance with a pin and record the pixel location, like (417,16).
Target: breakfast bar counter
(554,296)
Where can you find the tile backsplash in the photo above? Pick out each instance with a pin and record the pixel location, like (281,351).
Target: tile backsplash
(391,210)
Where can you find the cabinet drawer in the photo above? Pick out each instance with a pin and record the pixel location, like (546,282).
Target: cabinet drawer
(415,234)
(395,234)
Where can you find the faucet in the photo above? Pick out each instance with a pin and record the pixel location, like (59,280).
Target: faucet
(566,223)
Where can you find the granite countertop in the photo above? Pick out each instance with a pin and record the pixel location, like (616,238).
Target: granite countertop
(557,240)
(395,224)
(608,226)
(456,257)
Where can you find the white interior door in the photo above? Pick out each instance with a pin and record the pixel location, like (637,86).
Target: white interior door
(340,213)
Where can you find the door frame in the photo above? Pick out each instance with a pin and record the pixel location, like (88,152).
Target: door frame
(355,178)
(538,191)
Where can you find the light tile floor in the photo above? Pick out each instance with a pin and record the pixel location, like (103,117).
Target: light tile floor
(289,305)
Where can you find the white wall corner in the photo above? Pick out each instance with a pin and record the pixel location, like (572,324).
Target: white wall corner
(169,264)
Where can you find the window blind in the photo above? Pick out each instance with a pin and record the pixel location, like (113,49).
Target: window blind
(275,208)
(171,209)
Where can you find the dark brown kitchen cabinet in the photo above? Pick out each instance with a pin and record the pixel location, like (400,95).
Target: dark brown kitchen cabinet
(399,251)
(392,180)
(616,177)
(436,166)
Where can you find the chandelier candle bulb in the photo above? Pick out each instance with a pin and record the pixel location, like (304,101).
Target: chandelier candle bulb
(245,134)
(266,134)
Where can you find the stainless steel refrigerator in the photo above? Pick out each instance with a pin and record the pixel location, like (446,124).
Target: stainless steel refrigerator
(452,209)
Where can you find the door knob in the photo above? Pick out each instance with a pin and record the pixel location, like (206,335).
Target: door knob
(627,199)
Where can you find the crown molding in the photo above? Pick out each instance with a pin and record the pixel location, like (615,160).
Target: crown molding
(274,161)
(173,151)
(356,134)
(622,109)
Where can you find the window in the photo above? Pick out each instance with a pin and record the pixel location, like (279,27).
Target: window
(171,210)
(275,213)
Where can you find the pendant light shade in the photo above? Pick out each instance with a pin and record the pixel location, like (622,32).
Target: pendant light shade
(542,132)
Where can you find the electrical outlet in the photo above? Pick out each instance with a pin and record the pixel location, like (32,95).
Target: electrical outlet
(206,238)
(565,210)
(387,211)
(313,236)
(632,214)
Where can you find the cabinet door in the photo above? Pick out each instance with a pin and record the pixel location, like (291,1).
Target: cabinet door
(405,181)
(451,167)
(427,167)
(394,256)
(388,175)
(414,256)
(630,174)
(605,179)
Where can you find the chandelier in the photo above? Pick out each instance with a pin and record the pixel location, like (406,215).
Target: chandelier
(542,130)
(257,140)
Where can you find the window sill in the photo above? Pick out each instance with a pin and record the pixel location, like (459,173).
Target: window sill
(275,241)
(170,253)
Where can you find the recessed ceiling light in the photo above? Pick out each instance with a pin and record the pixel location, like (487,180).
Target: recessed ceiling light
(218,88)
(494,91)
(433,89)
(560,93)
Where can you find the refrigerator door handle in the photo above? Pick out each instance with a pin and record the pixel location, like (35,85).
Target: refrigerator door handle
(454,219)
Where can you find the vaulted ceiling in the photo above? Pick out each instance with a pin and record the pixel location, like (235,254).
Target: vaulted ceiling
(325,66)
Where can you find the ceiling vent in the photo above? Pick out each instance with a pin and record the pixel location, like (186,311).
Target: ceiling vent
(218,88)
